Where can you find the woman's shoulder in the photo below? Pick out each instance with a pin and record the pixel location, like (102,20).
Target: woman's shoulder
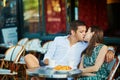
(102,45)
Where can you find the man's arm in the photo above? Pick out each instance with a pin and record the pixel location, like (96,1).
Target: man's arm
(50,52)
(110,54)
(46,61)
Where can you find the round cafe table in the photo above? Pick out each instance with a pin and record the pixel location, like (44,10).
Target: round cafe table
(47,72)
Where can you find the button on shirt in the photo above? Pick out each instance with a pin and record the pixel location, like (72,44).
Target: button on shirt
(64,54)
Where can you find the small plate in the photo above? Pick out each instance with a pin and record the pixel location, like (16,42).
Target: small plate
(62,71)
(49,67)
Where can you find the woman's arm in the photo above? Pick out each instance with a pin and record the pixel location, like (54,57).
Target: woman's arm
(81,63)
(81,67)
(99,61)
(88,74)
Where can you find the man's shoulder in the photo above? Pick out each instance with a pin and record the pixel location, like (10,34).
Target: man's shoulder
(85,44)
(60,37)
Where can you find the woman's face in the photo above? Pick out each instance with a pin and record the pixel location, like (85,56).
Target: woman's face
(88,35)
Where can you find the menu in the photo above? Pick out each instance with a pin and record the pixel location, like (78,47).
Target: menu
(10,35)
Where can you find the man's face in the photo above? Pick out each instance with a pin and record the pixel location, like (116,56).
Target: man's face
(80,33)
(88,35)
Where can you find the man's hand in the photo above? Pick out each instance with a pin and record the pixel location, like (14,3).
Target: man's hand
(109,56)
(46,61)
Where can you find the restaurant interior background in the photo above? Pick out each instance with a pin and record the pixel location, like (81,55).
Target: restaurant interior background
(45,19)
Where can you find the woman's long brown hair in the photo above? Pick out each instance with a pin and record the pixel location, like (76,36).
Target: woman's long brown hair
(96,38)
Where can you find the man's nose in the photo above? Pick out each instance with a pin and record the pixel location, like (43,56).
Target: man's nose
(84,34)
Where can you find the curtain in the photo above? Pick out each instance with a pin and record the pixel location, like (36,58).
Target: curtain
(55,16)
(93,12)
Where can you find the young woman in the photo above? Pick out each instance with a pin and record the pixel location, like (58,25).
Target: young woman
(92,64)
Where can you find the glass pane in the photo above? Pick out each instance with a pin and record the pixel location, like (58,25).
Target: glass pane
(76,9)
(68,11)
(7,13)
(32,15)
(8,21)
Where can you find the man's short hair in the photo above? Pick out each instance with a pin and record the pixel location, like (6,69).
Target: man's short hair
(74,25)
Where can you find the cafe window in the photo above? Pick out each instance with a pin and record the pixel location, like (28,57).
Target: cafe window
(32,16)
(8,21)
(43,17)
(46,17)
(38,18)
(7,13)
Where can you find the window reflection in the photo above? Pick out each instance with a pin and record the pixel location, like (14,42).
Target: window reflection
(7,13)
(31,16)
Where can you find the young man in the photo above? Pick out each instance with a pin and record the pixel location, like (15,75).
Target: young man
(64,49)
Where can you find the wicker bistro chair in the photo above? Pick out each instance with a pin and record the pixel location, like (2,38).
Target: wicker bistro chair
(34,46)
(45,46)
(23,41)
(10,62)
(113,66)
(5,74)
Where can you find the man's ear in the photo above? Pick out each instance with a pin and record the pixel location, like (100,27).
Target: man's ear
(72,32)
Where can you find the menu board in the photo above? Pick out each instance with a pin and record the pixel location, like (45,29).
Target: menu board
(10,35)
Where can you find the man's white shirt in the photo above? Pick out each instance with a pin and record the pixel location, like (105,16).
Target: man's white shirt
(64,54)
